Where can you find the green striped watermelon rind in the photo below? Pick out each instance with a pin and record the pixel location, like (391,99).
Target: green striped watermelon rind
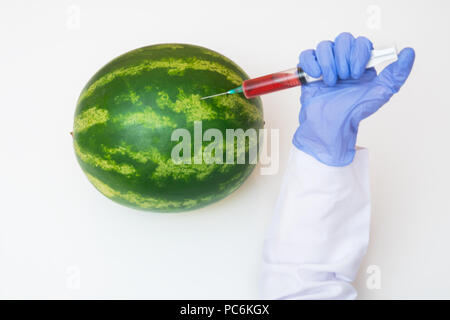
(128,109)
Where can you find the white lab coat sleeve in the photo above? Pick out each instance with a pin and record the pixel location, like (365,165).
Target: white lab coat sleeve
(320,230)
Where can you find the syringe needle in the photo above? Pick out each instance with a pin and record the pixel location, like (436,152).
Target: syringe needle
(214,95)
(232,91)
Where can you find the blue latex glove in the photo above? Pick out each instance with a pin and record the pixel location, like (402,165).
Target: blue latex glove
(332,108)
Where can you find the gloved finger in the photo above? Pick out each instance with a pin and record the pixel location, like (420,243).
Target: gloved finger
(395,74)
(368,75)
(342,49)
(360,56)
(325,57)
(308,62)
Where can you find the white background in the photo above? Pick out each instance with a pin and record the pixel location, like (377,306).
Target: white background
(60,238)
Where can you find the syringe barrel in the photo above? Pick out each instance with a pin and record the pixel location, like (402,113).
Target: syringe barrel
(273,82)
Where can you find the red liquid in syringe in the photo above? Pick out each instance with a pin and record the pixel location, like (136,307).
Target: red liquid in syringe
(271,82)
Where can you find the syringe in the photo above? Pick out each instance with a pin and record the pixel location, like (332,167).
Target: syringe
(295,77)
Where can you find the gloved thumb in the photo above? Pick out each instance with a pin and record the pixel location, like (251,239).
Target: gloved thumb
(395,74)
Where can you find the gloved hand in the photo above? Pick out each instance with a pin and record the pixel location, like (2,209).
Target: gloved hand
(332,108)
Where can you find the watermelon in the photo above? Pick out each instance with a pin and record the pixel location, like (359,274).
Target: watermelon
(127,112)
